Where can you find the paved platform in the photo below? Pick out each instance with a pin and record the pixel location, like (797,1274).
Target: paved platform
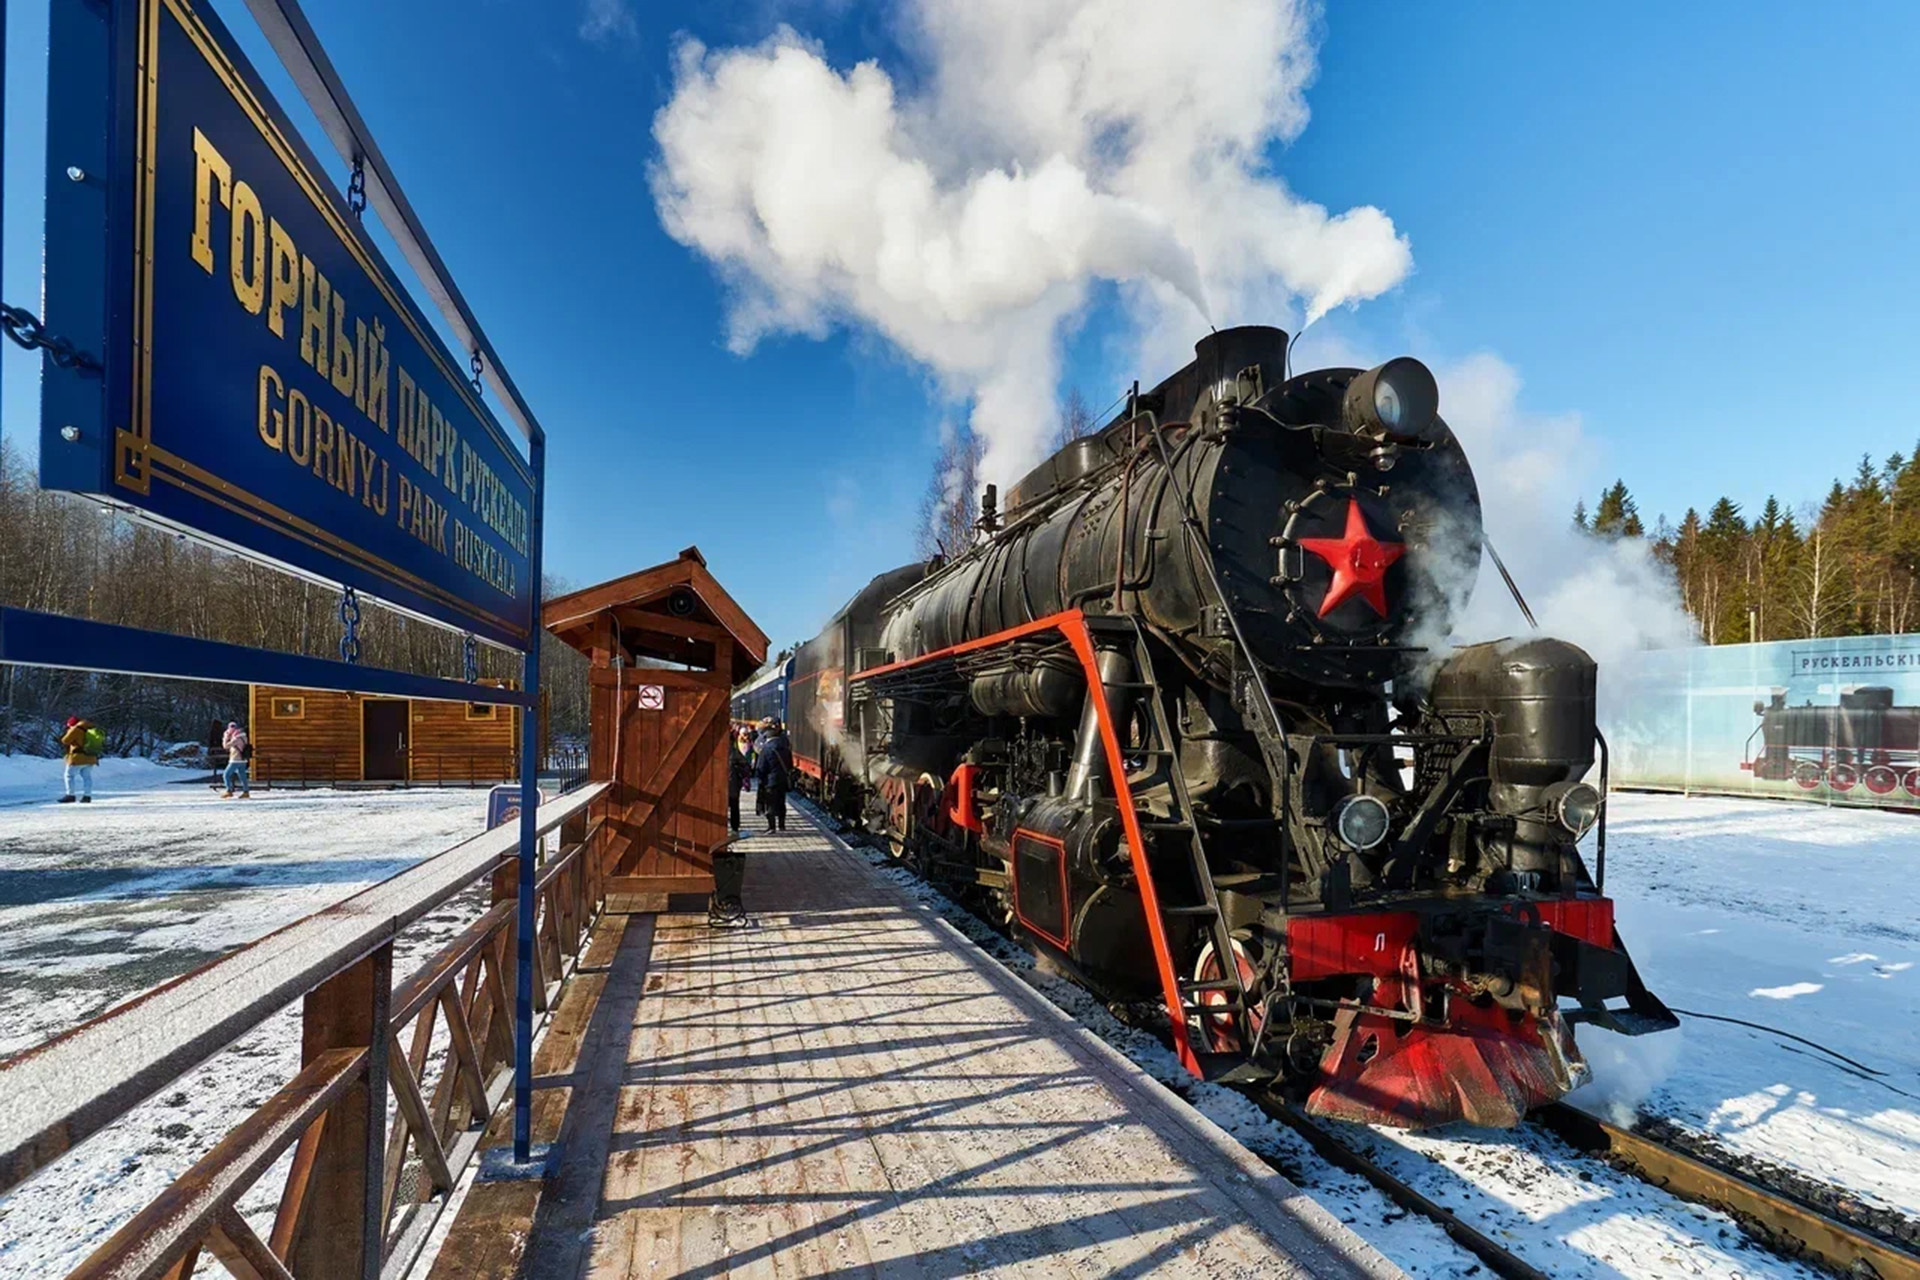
(851,1087)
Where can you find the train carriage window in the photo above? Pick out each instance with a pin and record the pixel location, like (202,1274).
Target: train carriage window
(482,710)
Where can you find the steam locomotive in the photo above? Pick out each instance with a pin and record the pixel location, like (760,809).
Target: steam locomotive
(1178,720)
(1864,741)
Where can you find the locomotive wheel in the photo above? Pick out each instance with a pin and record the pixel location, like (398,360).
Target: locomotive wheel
(1881,780)
(1842,777)
(1912,782)
(899,808)
(1221,1029)
(1807,774)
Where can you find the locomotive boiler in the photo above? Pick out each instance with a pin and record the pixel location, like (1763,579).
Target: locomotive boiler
(1183,718)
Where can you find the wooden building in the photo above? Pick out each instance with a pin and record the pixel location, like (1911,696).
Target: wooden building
(659,730)
(311,737)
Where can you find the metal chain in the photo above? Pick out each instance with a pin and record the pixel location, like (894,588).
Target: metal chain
(470,651)
(350,625)
(25,328)
(476,366)
(357,188)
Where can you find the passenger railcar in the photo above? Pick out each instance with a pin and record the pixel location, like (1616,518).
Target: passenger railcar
(765,694)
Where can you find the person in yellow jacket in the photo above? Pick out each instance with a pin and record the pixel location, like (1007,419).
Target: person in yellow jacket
(82,755)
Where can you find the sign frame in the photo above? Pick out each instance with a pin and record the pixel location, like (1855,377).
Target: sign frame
(90,149)
(98,431)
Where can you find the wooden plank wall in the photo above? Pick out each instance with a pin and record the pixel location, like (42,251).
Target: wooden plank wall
(670,800)
(332,722)
(443,729)
(328,722)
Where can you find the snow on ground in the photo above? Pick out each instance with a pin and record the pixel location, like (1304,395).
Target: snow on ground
(1801,917)
(155,877)
(160,875)
(1565,1213)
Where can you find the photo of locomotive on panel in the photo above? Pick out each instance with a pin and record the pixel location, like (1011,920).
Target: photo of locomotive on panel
(1832,721)
(1865,741)
(1183,718)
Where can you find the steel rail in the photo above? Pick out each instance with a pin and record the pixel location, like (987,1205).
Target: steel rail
(1779,1214)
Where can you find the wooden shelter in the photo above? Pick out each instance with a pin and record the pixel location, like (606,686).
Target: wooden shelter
(666,645)
(316,737)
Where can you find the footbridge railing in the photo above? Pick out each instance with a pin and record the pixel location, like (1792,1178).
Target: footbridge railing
(358,1200)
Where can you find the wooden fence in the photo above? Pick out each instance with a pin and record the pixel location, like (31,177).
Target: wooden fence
(357,1201)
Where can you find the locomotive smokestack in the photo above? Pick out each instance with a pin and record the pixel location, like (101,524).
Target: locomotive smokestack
(1222,354)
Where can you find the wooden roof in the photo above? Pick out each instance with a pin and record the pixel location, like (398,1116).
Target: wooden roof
(675,611)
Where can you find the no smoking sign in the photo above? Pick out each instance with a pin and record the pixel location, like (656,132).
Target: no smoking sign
(653,697)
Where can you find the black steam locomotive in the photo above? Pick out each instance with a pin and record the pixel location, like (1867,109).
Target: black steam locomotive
(1865,741)
(1173,720)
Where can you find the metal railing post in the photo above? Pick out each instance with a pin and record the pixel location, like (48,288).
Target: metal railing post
(529,803)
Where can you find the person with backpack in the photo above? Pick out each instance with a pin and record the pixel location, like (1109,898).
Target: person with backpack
(239,758)
(84,743)
(773,764)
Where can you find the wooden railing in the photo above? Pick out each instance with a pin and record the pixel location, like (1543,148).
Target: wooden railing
(357,1202)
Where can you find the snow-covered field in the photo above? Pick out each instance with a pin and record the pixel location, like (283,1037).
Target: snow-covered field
(159,875)
(155,877)
(1803,918)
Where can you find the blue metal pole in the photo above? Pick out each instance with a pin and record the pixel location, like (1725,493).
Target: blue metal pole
(529,806)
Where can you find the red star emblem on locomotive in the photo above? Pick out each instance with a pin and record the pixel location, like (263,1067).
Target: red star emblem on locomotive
(1359,562)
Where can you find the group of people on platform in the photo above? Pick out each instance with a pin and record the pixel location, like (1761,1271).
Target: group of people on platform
(761,754)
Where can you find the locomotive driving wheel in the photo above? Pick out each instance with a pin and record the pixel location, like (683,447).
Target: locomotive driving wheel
(1912,782)
(899,802)
(1223,1029)
(1807,775)
(1842,777)
(1881,780)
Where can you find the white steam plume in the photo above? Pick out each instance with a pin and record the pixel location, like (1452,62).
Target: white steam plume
(1610,598)
(1052,143)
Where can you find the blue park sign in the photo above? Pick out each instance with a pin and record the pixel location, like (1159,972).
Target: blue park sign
(268,384)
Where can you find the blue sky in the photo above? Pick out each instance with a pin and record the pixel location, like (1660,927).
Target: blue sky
(1693,226)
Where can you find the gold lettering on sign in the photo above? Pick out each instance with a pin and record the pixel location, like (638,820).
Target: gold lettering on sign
(248,250)
(270,277)
(209,167)
(273,413)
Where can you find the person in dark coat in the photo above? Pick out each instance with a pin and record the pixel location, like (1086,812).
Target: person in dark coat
(773,765)
(739,771)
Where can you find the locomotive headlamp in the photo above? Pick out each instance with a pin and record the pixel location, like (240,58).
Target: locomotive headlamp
(1576,806)
(1361,822)
(1398,398)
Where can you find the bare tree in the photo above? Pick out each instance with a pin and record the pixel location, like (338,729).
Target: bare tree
(1076,420)
(950,508)
(60,554)
(1816,601)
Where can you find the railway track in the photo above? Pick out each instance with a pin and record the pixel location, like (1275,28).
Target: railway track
(1779,1221)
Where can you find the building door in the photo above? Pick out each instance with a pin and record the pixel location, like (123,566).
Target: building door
(384,724)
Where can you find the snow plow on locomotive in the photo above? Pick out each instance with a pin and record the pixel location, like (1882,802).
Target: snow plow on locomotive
(1175,719)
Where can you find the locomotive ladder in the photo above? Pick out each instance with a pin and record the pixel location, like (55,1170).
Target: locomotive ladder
(1192,1002)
